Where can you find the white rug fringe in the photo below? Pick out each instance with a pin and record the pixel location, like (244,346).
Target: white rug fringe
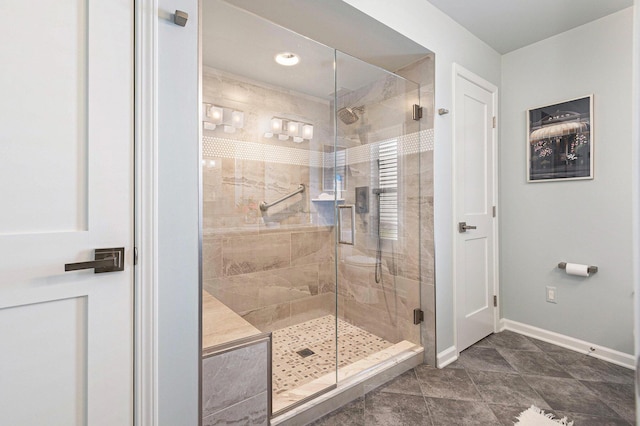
(534,416)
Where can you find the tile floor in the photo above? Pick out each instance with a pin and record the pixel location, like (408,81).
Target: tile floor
(495,380)
(290,370)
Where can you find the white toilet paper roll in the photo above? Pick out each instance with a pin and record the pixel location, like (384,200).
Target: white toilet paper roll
(577,269)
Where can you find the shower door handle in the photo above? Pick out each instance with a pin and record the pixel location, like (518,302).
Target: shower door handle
(462,227)
(352,217)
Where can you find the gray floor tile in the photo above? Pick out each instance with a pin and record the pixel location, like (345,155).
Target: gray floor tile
(588,420)
(569,395)
(351,414)
(406,383)
(548,347)
(493,382)
(584,367)
(534,363)
(446,383)
(455,364)
(447,412)
(506,389)
(382,408)
(510,340)
(485,343)
(484,359)
(506,414)
(628,374)
(618,396)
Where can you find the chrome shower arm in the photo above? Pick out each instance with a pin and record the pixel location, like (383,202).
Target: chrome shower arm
(264,206)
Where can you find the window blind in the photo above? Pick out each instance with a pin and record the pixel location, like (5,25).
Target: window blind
(388,180)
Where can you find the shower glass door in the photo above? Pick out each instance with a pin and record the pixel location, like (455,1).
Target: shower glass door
(310,184)
(376,175)
(268,220)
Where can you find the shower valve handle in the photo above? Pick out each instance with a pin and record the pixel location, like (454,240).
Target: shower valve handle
(462,227)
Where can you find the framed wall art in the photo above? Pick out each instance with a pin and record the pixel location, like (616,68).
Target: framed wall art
(560,141)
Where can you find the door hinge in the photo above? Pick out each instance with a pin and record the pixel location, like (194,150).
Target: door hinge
(495,301)
(417,112)
(494,211)
(494,121)
(135,256)
(418,316)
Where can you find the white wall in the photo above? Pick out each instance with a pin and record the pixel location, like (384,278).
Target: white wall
(428,26)
(581,221)
(178,166)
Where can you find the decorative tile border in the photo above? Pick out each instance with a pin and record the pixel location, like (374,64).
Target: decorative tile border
(243,150)
(212,147)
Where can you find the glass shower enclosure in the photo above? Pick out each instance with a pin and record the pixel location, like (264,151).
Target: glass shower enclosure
(311,204)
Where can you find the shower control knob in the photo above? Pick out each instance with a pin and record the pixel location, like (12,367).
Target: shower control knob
(462,227)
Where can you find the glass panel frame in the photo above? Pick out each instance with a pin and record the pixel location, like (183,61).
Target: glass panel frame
(378,279)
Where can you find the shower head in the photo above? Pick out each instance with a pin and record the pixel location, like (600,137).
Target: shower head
(350,115)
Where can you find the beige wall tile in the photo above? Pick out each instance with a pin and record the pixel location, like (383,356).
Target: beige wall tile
(241,255)
(311,247)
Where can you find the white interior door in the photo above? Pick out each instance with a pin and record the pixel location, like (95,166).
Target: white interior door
(66,149)
(474,199)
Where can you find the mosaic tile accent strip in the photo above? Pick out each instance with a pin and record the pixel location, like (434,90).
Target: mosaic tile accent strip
(244,150)
(413,143)
(291,370)
(229,148)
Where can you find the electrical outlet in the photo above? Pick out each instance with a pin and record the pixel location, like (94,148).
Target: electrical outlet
(551,294)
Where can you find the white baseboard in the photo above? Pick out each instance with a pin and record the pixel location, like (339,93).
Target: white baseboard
(601,352)
(447,356)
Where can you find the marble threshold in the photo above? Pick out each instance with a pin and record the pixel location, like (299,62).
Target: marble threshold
(347,376)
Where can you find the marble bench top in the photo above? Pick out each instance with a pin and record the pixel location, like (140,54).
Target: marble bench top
(220,324)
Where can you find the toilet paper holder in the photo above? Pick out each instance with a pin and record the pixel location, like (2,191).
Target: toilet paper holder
(590,269)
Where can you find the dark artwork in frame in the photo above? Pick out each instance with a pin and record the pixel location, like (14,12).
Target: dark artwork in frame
(560,141)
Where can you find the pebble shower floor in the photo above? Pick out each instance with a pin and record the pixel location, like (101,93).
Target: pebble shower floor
(291,370)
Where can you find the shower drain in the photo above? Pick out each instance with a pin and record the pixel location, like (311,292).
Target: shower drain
(305,352)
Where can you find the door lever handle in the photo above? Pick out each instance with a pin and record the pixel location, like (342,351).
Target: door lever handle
(462,227)
(106,260)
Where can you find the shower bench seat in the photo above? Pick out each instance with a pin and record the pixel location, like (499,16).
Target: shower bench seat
(236,370)
(221,325)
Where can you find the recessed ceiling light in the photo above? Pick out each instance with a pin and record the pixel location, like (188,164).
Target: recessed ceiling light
(287,59)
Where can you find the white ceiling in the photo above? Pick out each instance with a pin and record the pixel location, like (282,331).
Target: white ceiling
(508,25)
(238,37)
(243,36)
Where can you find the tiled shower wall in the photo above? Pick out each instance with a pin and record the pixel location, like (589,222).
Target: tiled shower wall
(274,268)
(278,269)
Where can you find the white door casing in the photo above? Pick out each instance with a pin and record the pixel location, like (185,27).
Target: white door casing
(66,185)
(474,257)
